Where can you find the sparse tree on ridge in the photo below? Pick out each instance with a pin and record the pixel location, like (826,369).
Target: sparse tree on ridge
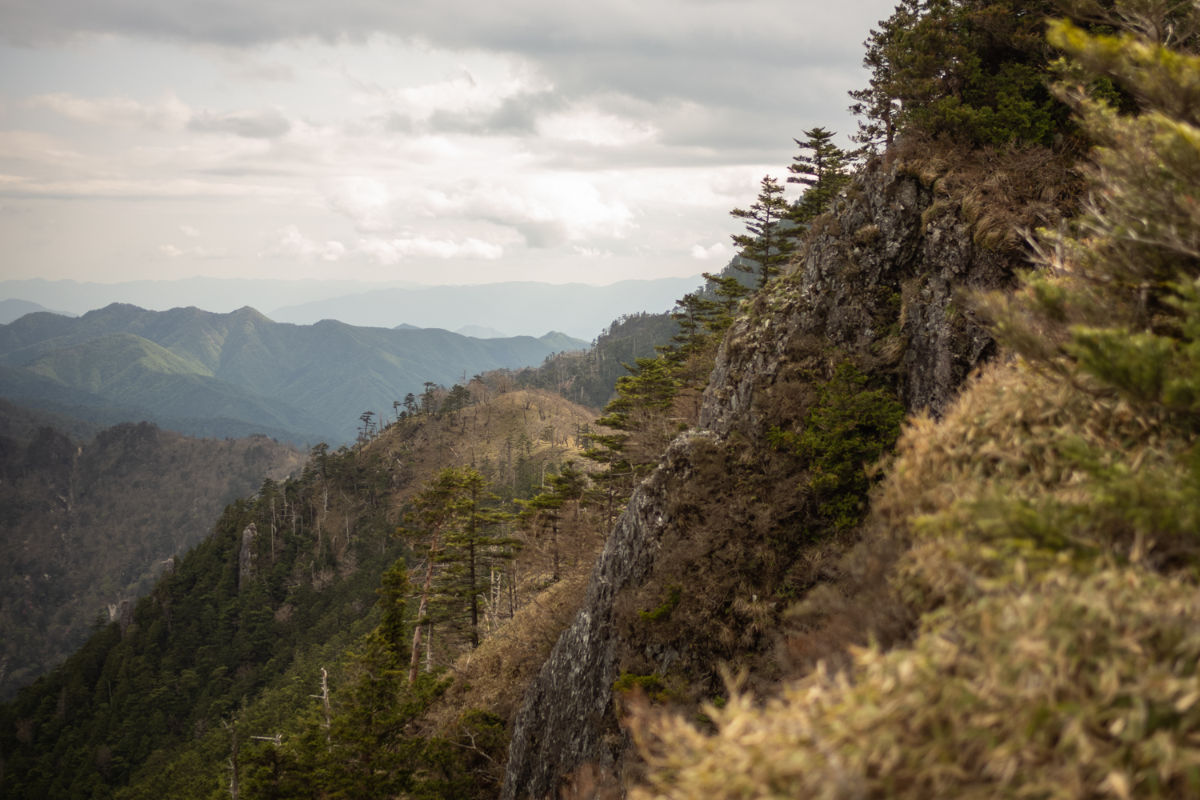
(457,518)
(472,546)
(545,510)
(820,167)
(765,242)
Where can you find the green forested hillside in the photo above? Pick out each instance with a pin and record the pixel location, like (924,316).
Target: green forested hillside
(589,377)
(238,373)
(88,524)
(235,634)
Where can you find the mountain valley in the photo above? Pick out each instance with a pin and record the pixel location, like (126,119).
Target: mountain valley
(89,524)
(903,503)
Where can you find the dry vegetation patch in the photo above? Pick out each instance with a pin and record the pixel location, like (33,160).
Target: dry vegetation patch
(1046,535)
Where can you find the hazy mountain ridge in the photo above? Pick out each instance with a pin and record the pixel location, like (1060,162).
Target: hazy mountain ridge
(580,310)
(531,308)
(14,309)
(185,365)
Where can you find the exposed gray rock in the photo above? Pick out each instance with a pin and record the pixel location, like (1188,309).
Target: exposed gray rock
(564,718)
(877,283)
(246,556)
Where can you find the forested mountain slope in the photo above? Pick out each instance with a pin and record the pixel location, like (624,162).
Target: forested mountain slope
(88,524)
(238,630)
(902,521)
(236,373)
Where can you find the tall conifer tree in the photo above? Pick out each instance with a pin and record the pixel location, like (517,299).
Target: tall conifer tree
(821,168)
(765,242)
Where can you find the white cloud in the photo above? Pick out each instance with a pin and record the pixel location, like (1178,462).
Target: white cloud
(546,210)
(173,252)
(393,251)
(531,138)
(364,201)
(149,188)
(591,252)
(38,148)
(595,127)
(383,250)
(714,252)
(169,113)
(268,123)
(293,244)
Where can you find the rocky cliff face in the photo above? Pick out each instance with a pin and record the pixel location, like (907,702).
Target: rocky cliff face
(720,521)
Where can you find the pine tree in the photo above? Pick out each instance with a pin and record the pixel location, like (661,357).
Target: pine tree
(434,512)
(457,519)
(473,547)
(765,243)
(821,168)
(544,511)
(878,105)
(705,314)
(393,603)
(971,70)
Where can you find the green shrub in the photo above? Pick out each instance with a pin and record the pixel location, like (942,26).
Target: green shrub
(845,432)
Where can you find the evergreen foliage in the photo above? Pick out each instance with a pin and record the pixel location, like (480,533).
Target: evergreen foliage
(588,377)
(765,243)
(544,511)
(90,524)
(822,169)
(1117,298)
(845,432)
(458,522)
(972,70)
(209,635)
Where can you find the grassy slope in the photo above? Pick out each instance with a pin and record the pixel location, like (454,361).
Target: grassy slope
(1052,656)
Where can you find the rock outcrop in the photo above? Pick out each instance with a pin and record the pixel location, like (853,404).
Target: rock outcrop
(875,284)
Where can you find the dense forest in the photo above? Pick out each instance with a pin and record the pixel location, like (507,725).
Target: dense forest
(89,522)
(904,503)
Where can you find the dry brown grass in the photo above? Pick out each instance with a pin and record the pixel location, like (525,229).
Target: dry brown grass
(1069,688)
(1053,658)
(493,677)
(488,431)
(1001,192)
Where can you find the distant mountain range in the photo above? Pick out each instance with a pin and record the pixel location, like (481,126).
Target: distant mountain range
(239,373)
(526,308)
(11,310)
(578,309)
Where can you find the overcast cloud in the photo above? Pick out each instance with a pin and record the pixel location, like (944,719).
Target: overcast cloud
(439,142)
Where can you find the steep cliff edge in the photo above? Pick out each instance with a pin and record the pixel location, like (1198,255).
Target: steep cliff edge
(730,529)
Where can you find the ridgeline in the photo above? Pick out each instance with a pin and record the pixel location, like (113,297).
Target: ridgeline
(912,513)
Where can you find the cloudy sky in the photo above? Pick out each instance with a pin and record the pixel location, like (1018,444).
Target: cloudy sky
(411,140)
